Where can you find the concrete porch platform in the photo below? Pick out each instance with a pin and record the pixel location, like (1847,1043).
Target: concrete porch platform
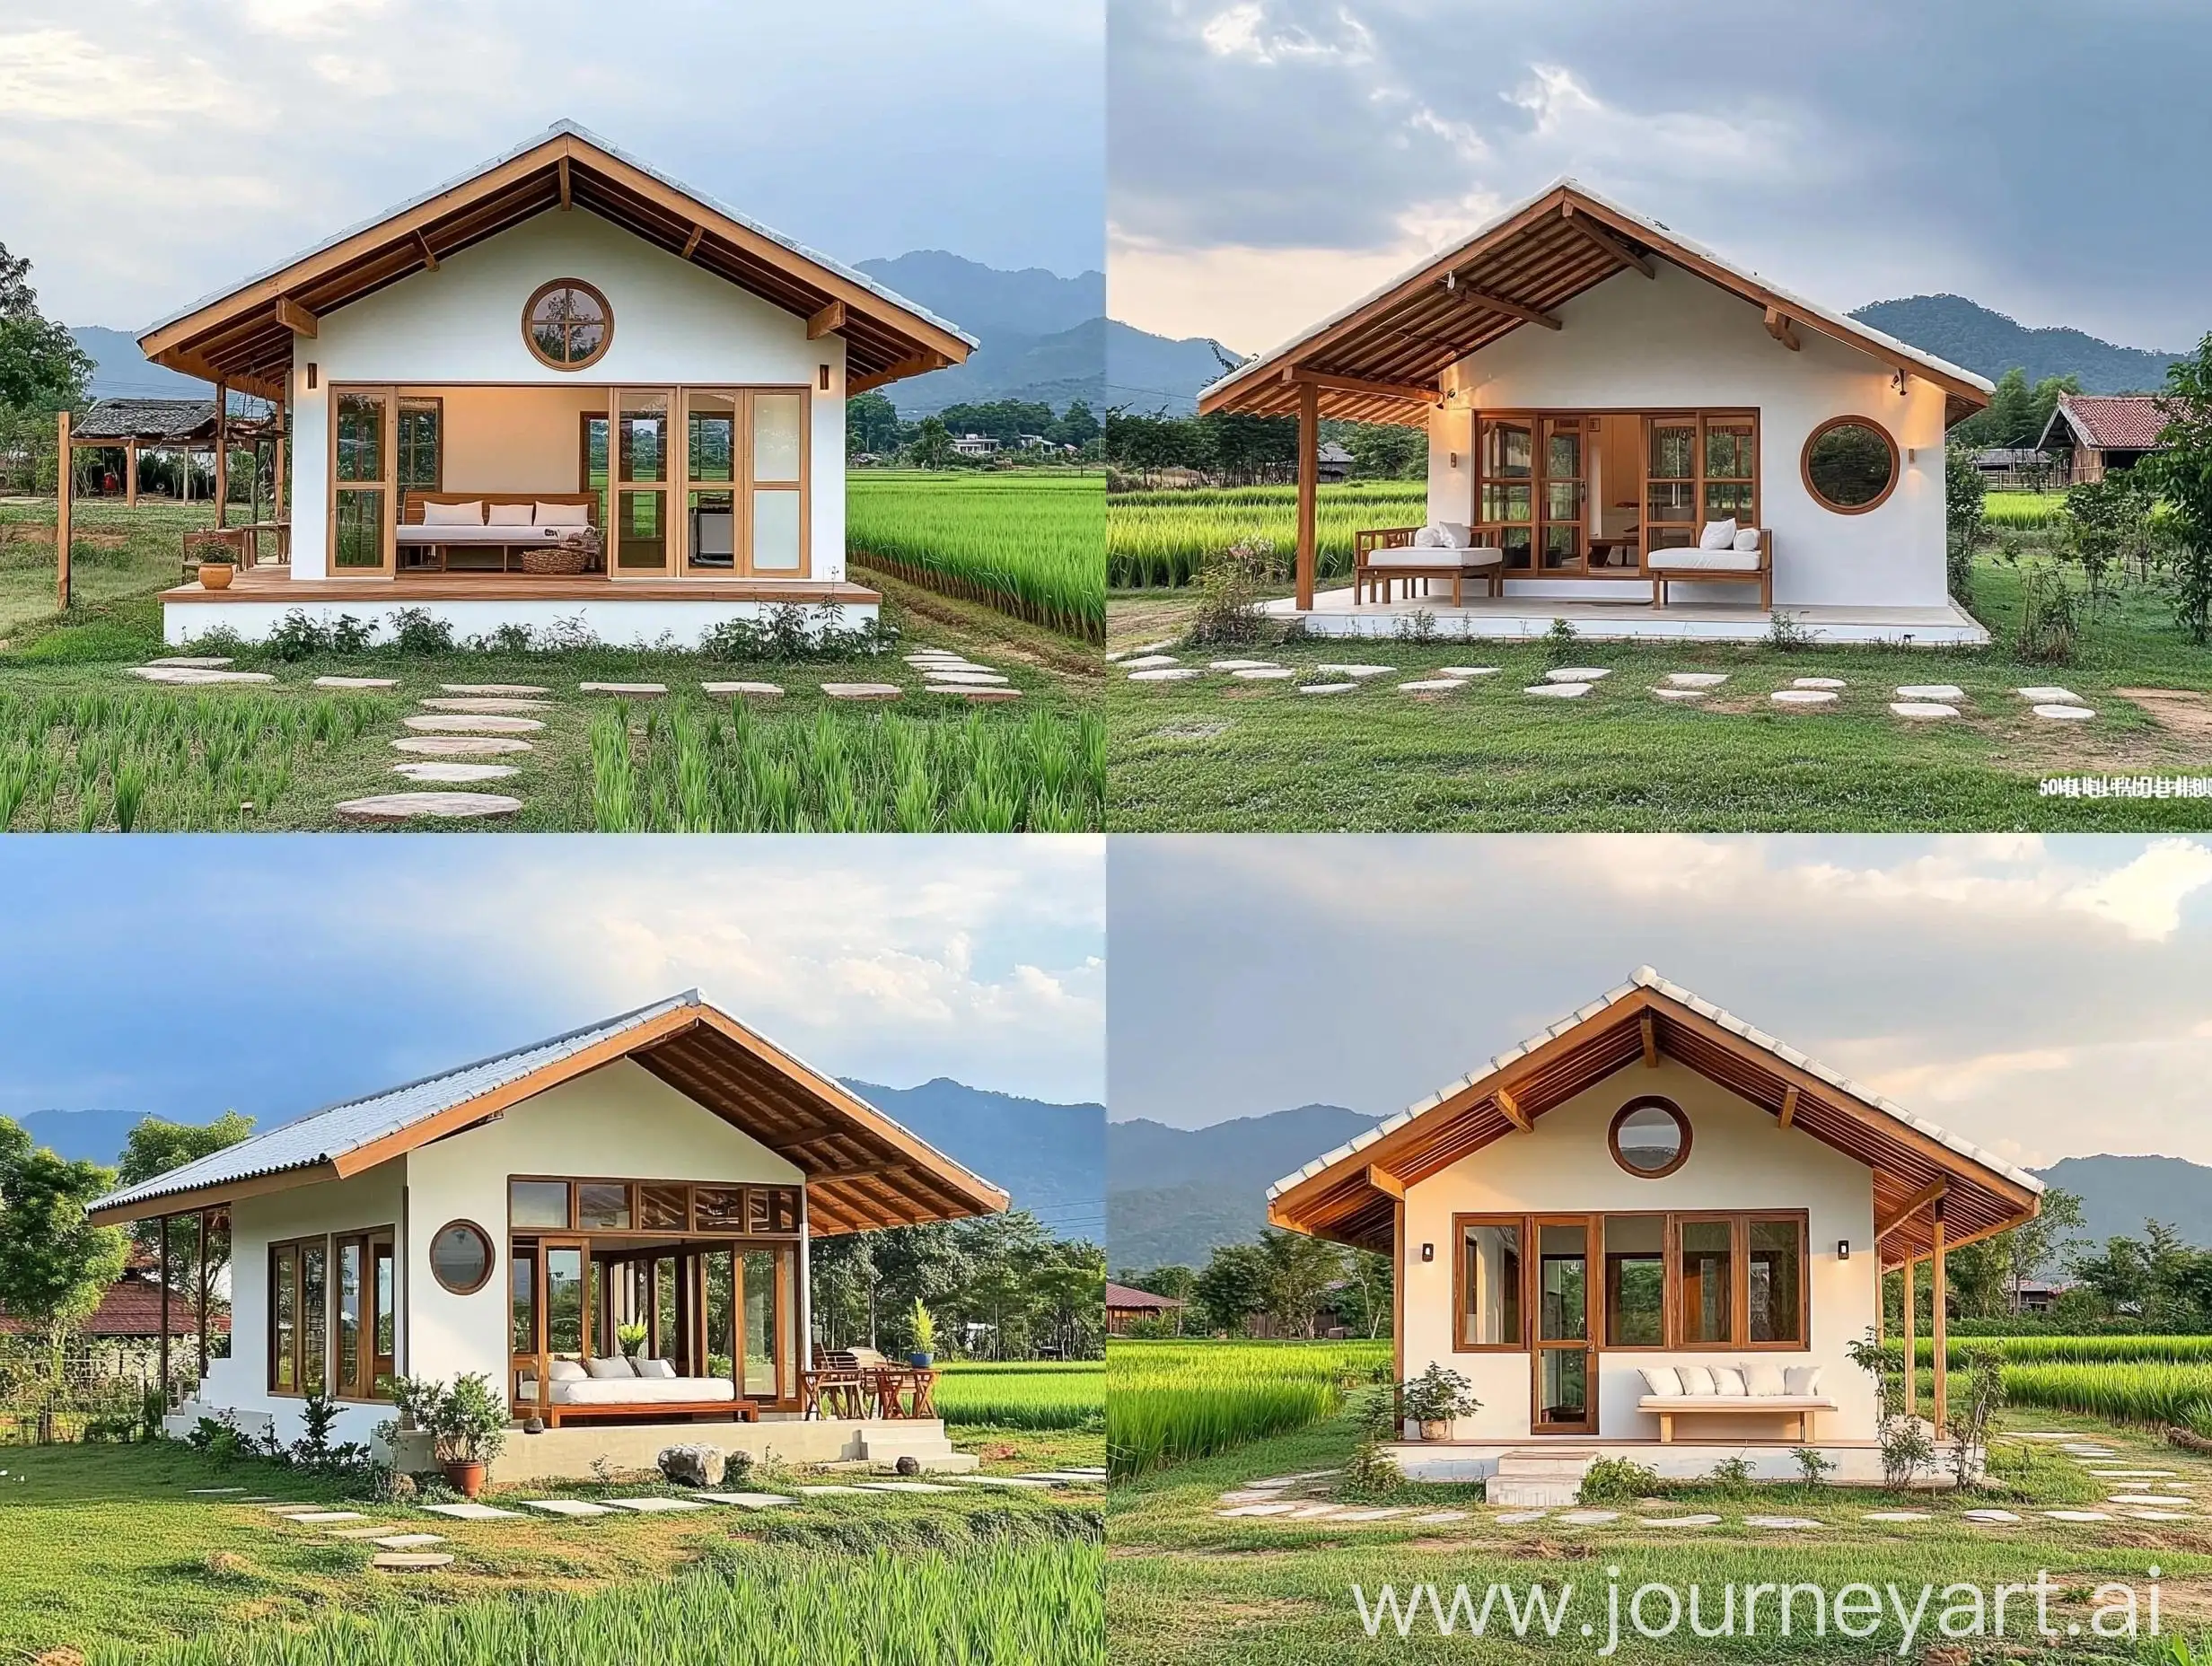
(571,1453)
(1858,1463)
(1630,618)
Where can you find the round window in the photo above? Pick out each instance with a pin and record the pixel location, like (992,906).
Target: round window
(568,323)
(1850,464)
(1650,1137)
(460,1257)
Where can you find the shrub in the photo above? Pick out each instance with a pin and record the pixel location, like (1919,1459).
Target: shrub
(1965,503)
(1438,1395)
(2048,619)
(1560,642)
(1619,1481)
(1813,1467)
(1731,1476)
(1230,585)
(419,631)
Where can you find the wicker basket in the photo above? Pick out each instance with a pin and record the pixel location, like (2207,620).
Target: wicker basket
(551,560)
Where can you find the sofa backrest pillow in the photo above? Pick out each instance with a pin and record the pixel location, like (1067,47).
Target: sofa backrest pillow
(1663,1381)
(1747,541)
(469,513)
(509,514)
(1718,534)
(1728,1381)
(564,515)
(1457,534)
(659,1368)
(1696,1379)
(1802,1379)
(608,1369)
(565,1371)
(1763,1380)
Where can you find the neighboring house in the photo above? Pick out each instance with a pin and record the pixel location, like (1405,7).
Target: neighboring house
(2015,468)
(1647,1186)
(2094,435)
(1601,397)
(135,427)
(1125,1306)
(2036,1296)
(975,445)
(668,1167)
(561,385)
(122,1335)
(1335,463)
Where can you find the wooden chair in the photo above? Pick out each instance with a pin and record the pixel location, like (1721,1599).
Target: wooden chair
(837,1386)
(1761,574)
(1382,556)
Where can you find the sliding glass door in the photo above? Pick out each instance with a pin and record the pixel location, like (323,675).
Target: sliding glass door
(1566,1361)
(363,485)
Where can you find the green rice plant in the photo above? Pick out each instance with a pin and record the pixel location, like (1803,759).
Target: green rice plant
(614,782)
(2085,1350)
(1160,539)
(18,771)
(130,792)
(1025,543)
(1022,1394)
(2024,511)
(1169,1402)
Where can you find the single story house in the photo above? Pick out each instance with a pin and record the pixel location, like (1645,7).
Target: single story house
(1620,419)
(562,385)
(135,427)
(667,1168)
(123,1334)
(1125,1305)
(1334,463)
(1651,1226)
(975,445)
(2092,435)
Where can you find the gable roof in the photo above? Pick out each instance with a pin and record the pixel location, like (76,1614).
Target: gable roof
(1129,1296)
(2123,422)
(235,334)
(1536,256)
(1336,1196)
(862,1170)
(173,420)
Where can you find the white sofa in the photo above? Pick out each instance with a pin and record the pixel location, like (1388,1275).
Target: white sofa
(1441,550)
(1749,1390)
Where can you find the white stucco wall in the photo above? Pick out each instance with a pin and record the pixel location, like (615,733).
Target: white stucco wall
(674,322)
(1739,1160)
(1677,342)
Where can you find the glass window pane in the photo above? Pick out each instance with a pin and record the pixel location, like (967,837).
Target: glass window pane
(387,1293)
(1708,1281)
(284,1317)
(719,1208)
(360,436)
(315,1318)
(1728,451)
(713,428)
(1850,465)
(1508,451)
(1636,1281)
(775,531)
(538,1202)
(595,465)
(661,1207)
(606,1207)
(522,1288)
(1673,454)
(1490,1286)
(775,418)
(460,1257)
(712,531)
(421,454)
(360,527)
(760,1281)
(641,532)
(1508,503)
(1563,1301)
(564,1301)
(1775,1281)
(641,437)
(1566,1386)
(1726,500)
(349,1295)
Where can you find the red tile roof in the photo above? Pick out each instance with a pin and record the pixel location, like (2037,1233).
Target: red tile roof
(2124,422)
(133,1308)
(1122,1296)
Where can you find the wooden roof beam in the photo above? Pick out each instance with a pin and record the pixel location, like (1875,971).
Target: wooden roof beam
(430,255)
(1779,327)
(1932,1192)
(1789,1106)
(1488,302)
(1650,1028)
(829,319)
(295,318)
(1511,1110)
(691,243)
(1411,392)
(1592,232)
(1385,1182)
(920,365)
(560,173)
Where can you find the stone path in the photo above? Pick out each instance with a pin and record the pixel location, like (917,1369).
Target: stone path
(634,691)
(200,662)
(2064,714)
(655,1506)
(1922,709)
(1682,694)
(411,1561)
(749,1500)
(356,682)
(459,746)
(1558,691)
(1326,687)
(2050,696)
(1468,670)
(565,1507)
(451,773)
(474,1512)
(758,690)
(482,703)
(863,690)
(1697,679)
(436,806)
(903,1486)
(1355,671)
(319,1518)
(493,688)
(1948,693)
(1432,685)
(1803,697)
(1179,673)
(1578,673)
(193,676)
(1148,661)
(1819,682)
(487,724)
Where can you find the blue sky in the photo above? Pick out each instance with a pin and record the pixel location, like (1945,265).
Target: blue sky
(150,152)
(2045,998)
(184,977)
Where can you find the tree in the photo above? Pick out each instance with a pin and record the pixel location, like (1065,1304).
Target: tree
(54,1265)
(2180,471)
(154,1146)
(41,367)
(1075,427)
(1364,1300)
(932,445)
(1231,1287)
(1299,1269)
(1965,494)
(2033,1246)
(1385,450)
(870,423)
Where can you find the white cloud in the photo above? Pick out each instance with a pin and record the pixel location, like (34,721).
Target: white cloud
(2145,897)
(1242,31)
(61,76)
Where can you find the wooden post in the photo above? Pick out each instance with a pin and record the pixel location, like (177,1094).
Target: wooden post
(222,452)
(161,1270)
(200,1291)
(1938,1332)
(65,478)
(1309,485)
(1912,1363)
(130,473)
(279,495)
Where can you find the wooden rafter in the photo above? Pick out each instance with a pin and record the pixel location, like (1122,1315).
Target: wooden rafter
(430,255)
(1931,1193)
(1789,1106)
(1650,1027)
(1592,232)
(295,318)
(1510,1109)
(691,243)
(827,321)
(1385,1182)
(560,171)
(1779,327)
(1489,302)
(1411,391)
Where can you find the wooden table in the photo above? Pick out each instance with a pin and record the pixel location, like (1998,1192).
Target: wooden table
(916,1385)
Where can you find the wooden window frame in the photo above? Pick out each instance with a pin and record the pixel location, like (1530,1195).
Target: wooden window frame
(1459,1224)
(1802,1221)
(1648,1102)
(491,1256)
(1804,465)
(667,488)
(1591,1343)
(1667,1284)
(606,337)
(368,1240)
(436,403)
(388,481)
(297,1248)
(792,1209)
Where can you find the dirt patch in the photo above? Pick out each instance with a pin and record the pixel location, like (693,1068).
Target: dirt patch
(2184,711)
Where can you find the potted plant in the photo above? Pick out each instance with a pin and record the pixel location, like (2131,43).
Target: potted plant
(1435,1398)
(217,565)
(630,1338)
(470,1422)
(925,1329)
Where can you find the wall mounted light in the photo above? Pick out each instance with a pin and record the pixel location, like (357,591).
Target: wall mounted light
(1902,382)
(1428,1252)
(1455,458)
(1843,1248)
(311,376)
(823,383)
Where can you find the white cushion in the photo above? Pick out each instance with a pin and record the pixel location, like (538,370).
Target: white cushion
(1661,1379)
(1429,537)
(565,1371)
(1482,555)
(1718,534)
(1747,538)
(1802,1379)
(645,1390)
(1722,560)
(608,1369)
(509,514)
(1727,1382)
(564,515)
(655,1368)
(1764,1380)
(1695,1379)
(454,514)
(1457,534)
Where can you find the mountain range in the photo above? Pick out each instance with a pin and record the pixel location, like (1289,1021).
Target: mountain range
(1988,343)
(1173,1194)
(1051,1157)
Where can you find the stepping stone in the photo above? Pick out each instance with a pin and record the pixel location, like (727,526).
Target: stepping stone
(1818,682)
(973,677)
(214,1492)
(2064,714)
(1097,1472)
(1596,1518)
(1802,696)
(1265,673)
(2158,1515)
(565,1507)
(1520,1518)
(749,1500)
(2146,1498)
(1468,670)
(1946,692)
(825,1487)
(474,1512)
(1682,694)
(863,690)
(287,1509)
(2121,1475)
(1355,671)
(380,1535)
(1308,1513)
(204,662)
(905,1486)
(1178,674)
(492,688)
(1326,687)
(1780,1522)
(2074,1515)
(984,695)
(760,690)
(655,1506)
(2052,695)
(633,688)
(1697,679)
(411,1561)
(1373,1515)
(460,746)
(440,806)
(1275,1509)
(1922,708)
(1148,661)
(356,682)
(1683,1520)
(1989,1518)
(319,1518)
(1558,691)
(1894,1515)
(1436,1517)
(1432,685)
(192,676)
(483,703)
(1000,1480)
(1577,673)
(1241,665)
(1071,1476)
(1242,1495)
(408,1541)
(453,772)
(475,725)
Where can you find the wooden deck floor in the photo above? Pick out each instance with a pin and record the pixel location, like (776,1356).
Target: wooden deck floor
(275,583)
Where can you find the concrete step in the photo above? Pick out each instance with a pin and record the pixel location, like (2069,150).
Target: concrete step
(1501,1490)
(1535,1464)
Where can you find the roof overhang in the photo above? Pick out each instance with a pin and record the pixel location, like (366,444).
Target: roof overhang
(244,336)
(1351,1198)
(862,1170)
(1383,359)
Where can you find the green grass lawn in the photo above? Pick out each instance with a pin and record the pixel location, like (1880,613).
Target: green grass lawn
(1216,754)
(1184,1582)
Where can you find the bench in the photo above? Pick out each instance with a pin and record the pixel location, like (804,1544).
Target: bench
(555,1413)
(425,548)
(1715,566)
(1384,554)
(1667,1408)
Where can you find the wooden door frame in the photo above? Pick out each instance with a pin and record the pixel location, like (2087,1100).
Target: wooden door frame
(1594,1319)
(389,481)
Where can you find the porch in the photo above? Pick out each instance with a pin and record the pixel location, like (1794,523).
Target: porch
(1857,1463)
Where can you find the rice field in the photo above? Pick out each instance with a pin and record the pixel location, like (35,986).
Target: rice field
(688,767)
(2077,1350)
(2024,512)
(1024,1394)
(1159,540)
(1025,543)
(1169,1402)
(2137,1391)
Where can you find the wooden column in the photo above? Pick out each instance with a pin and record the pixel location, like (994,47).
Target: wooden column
(199,1290)
(1938,1332)
(1309,485)
(130,474)
(279,495)
(161,1269)
(65,471)
(222,452)
(1912,1363)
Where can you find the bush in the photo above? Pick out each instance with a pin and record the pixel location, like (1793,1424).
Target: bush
(1731,1476)
(419,631)
(2048,621)
(794,634)
(1230,585)
(1619,1481)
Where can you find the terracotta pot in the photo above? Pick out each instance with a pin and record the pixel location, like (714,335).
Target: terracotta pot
(1429,1431)
(465,1477)
(215,575)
